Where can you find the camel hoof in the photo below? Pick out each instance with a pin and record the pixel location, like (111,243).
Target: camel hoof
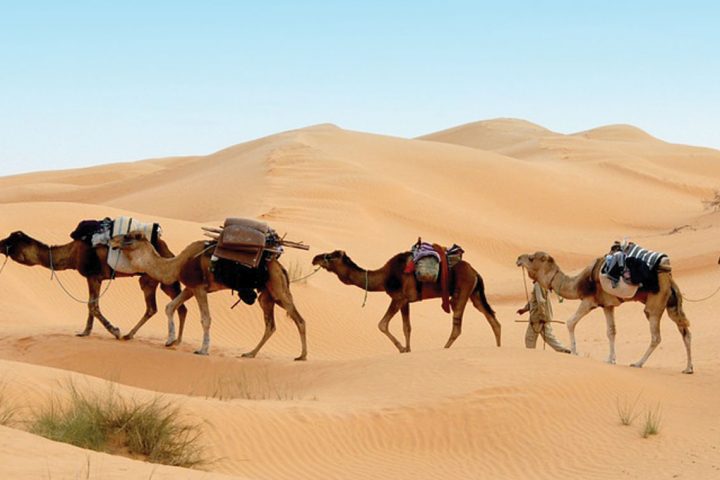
(636,365)
(127,337)
(82,334)
(405,350)
(250,355)
(689,371)
(116,332)
(610,361)
(171,343)
(301,358)
(200,352)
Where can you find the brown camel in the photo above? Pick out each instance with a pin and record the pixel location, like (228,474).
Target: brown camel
(91,263)
(465,284)
(192,268)
(586,287)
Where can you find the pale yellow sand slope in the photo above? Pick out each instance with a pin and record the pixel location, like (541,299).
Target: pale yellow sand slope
(357,408)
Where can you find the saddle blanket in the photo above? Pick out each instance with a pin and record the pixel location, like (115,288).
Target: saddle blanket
(122,225)
(652,259)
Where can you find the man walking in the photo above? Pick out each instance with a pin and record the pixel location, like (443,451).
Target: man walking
(540,317)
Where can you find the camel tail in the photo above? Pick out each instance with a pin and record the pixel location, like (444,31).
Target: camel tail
(480,288)
(674,306)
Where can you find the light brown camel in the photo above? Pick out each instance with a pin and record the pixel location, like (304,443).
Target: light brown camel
(586,287)
(465,284)
(91,263)
(192,268)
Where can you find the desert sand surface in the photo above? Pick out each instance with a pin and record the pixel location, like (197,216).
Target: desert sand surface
(357,408)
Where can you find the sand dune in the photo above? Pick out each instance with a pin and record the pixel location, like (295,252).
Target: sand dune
(358,409)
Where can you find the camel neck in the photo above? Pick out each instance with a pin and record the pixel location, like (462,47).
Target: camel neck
(164,270)
(564,285)
(351,274)
(55,257)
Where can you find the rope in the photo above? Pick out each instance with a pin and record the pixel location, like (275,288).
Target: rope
(7,256)
(306,276)
(366,289)
(701,299)
(92,300)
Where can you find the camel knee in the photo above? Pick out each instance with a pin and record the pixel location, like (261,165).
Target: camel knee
(383,326)
(655,340)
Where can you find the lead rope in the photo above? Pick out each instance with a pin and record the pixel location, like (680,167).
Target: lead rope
(701,299)
(306,276)
(7,255)
(95,300)
(366,289)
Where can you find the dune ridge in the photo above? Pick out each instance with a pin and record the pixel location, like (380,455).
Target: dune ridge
(357,408)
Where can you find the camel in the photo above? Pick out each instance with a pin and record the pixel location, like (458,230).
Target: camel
(192,268)
(91,263)
(586,287)
(402,288)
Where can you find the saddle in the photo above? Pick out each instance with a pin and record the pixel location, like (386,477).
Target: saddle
(626,270)
(244,241)
(432,263)
(99,232)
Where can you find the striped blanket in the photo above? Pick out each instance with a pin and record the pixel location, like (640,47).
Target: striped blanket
(652,259)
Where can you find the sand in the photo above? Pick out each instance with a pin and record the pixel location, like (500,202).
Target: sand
(357,408)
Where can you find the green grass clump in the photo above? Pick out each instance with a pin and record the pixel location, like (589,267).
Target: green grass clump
(152,430)
(626,410)
(653,417)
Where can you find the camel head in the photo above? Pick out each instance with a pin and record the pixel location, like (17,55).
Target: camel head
(330,261)
(540,267)
(16,246)
(131,243)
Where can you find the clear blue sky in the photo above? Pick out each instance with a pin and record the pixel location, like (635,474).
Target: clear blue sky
(89,82)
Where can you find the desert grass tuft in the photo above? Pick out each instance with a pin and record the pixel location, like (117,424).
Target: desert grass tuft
(626,409)
(296,272)
(653,418)
(8,410)
(109,423)
(258,386)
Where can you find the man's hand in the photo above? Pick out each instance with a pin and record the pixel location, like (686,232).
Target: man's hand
(522,310)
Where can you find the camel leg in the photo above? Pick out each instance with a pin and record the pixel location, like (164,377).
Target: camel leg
(583,309)
(459,301)
(170,308)
(148,287)
(94,306)
(655,338)
(267,303)
(385,321)
(610,320)
(88,324)
(173,291)
(677,315)
(407,328)
(687,338)
(201,297)
(287,303)
(90,317)
(489,315)
(654,307)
